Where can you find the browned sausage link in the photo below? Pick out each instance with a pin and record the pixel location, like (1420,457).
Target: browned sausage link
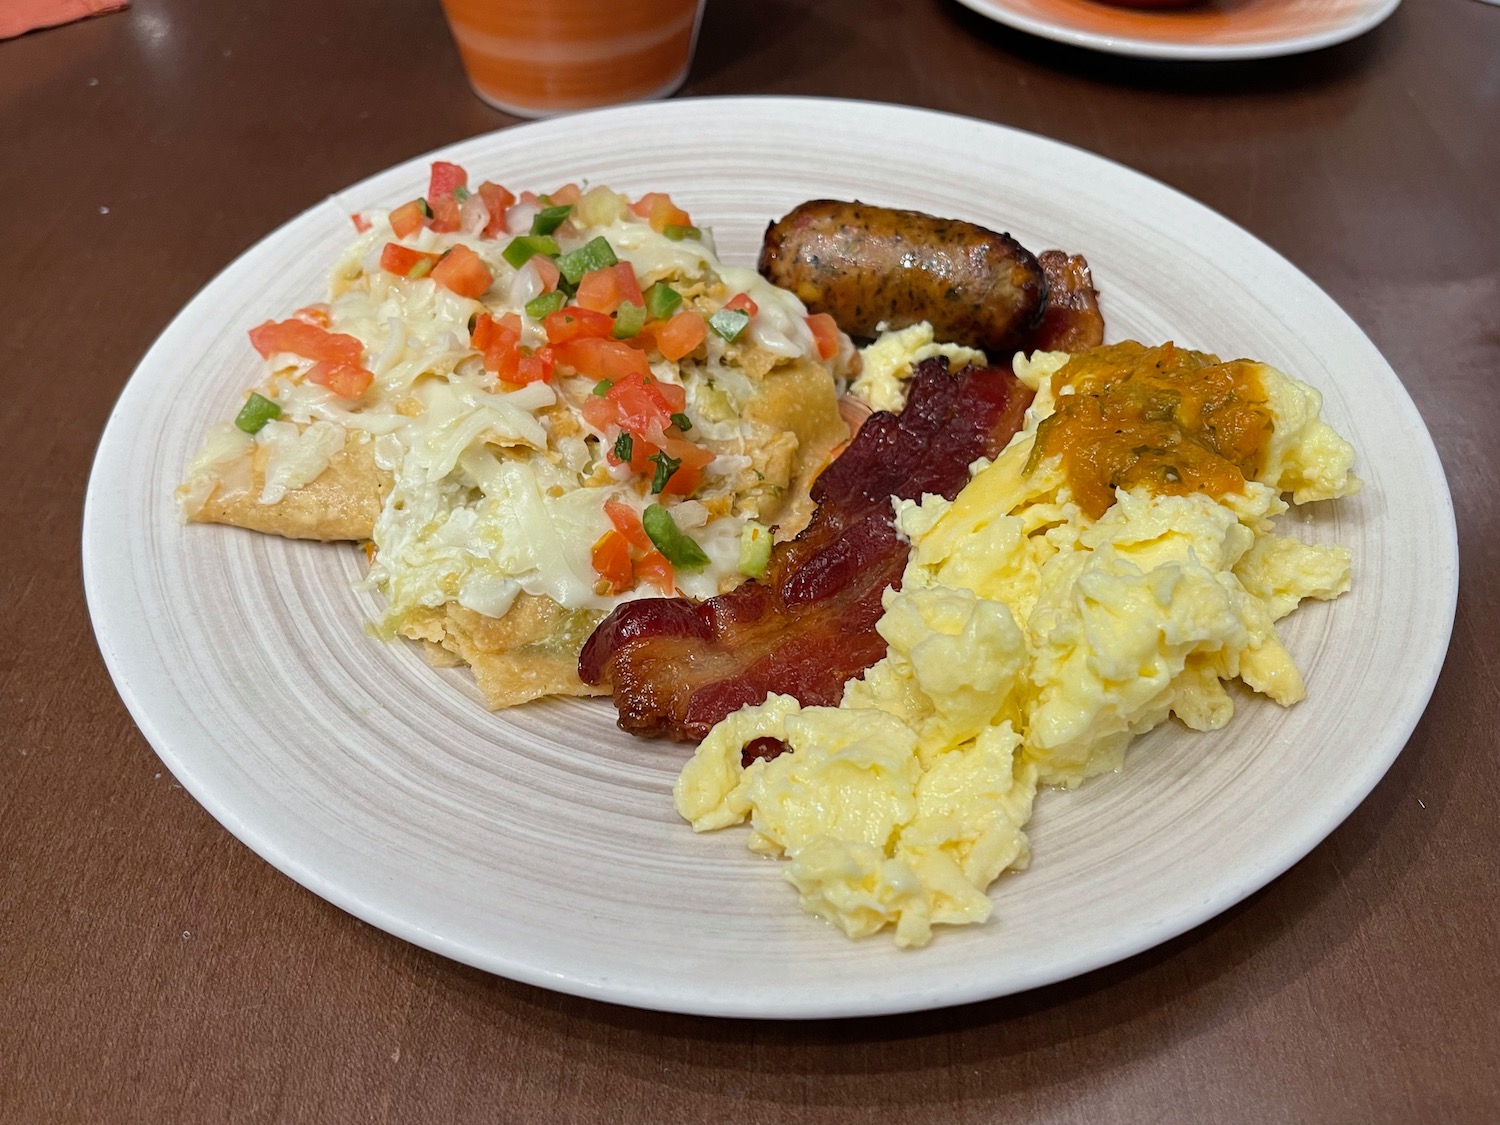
(865,265)
(1073,322)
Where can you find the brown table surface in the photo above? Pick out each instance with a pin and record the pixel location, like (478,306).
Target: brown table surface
(153,969)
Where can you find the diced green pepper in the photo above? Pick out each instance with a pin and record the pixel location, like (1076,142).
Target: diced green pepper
(596,254)
(426,209)
(257,411)
(630,318)
(755,549)
(420,268)
(665,467)
(461,193)
(601,388)
(547,303)
(662,301)
(548,219)
(682,422)
(671,540)
(677,233)
(624,446)
(521,248)
(729,323)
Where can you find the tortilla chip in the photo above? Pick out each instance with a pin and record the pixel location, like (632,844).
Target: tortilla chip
(342,502)
(799,399)
(530,652)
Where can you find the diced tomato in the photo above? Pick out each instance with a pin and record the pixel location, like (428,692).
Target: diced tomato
(653,568)
(600,413)
(627,522)
(642,407)
(462,271)
(403,260)
(684,482)
(680,335)
(530,197)
(407,219)
(446,178)
(611,559)
(547,270)
(607,289)
(307,340)
(496,201)
(313,314)
(574,323)
(500,341)
(347,380)
(503,354)
(568,194)
(657,208)
(741,302)
(534,368)
(672,397)
(445,215)
(602,359)
(361,223)
(484,327)
(825,334)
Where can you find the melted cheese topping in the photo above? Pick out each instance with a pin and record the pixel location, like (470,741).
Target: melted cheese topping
(498,490)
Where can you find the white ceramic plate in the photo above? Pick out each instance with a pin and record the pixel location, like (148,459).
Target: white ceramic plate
(541,843)
(1212,30)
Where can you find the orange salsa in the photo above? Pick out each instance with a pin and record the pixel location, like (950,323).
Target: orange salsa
(1165,418)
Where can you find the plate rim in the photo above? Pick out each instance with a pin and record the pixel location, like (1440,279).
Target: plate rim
(1131,47)
(96,582)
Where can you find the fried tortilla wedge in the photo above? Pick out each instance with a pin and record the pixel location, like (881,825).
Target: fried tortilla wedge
(789,428)
(530,652)
(340,503)
(798,401)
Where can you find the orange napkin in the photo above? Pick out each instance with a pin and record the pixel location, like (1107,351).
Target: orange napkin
(20,16)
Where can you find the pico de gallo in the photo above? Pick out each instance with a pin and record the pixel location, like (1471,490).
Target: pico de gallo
(570,395)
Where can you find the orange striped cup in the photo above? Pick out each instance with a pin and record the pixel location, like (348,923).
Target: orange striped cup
(535,58)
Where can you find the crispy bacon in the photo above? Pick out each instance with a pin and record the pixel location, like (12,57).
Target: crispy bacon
(676,668)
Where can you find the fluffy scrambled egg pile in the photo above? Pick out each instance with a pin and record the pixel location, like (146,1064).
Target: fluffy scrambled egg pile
(1033,637)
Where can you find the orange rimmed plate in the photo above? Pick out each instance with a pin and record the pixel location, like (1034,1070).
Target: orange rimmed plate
(1214,30)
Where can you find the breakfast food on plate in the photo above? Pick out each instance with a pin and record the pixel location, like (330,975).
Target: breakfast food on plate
(584,454)
(870,267)
(677,668)
(1111,567)
(531,410)
(808,624)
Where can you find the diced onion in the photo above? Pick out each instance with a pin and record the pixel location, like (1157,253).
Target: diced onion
(473,215)
(518,218)
(690,513)
(525,287)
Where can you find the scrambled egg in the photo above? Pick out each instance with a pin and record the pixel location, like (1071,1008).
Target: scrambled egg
(1028,644)
(886,365)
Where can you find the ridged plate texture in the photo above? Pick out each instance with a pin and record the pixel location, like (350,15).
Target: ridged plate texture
(540,843)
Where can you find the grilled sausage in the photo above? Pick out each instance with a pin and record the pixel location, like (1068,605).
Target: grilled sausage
(1072,322)
(867,265)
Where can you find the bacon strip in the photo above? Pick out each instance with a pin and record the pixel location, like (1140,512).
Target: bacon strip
(676,668)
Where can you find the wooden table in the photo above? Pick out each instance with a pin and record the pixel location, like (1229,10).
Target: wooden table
(153,969)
